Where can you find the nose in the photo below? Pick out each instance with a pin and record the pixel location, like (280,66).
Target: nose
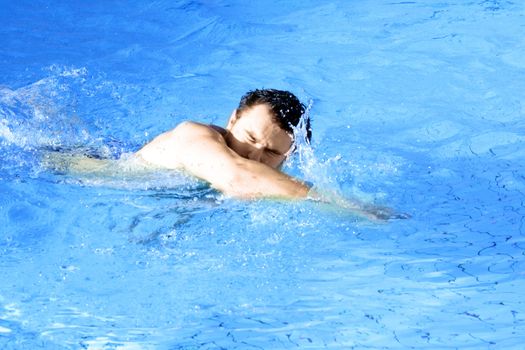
(256,154)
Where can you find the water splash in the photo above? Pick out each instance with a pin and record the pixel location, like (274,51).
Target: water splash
(70,108)
(340,179)
(43,113)
(317,172)
(56,112)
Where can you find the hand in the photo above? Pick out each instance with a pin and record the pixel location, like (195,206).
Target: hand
(368,211)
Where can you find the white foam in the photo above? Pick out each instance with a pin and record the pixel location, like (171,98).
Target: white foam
(5,330)
(101,343)
(5,132)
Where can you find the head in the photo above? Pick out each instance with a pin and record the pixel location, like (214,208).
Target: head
(261,128)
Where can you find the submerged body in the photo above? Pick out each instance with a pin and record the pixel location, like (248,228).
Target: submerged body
(242,160)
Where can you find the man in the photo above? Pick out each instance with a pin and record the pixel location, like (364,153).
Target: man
(242,160)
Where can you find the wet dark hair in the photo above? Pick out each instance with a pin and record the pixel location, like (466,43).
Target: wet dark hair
(286,107)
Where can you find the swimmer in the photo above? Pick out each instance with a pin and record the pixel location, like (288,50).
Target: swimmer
(242,160)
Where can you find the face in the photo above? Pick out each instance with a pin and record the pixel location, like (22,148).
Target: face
(254,135)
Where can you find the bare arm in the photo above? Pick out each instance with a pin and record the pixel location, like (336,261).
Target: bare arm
(203,152)
(357,207)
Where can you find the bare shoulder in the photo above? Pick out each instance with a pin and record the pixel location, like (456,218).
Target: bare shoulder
(169,149)
(192,130)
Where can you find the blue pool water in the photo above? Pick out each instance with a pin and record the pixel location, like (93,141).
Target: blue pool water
(418,105)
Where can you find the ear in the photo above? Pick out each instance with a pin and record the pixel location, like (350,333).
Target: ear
(233,119)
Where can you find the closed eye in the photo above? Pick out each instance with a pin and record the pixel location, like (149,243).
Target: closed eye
(273,153)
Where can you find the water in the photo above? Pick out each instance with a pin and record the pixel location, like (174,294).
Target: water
(416,105)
